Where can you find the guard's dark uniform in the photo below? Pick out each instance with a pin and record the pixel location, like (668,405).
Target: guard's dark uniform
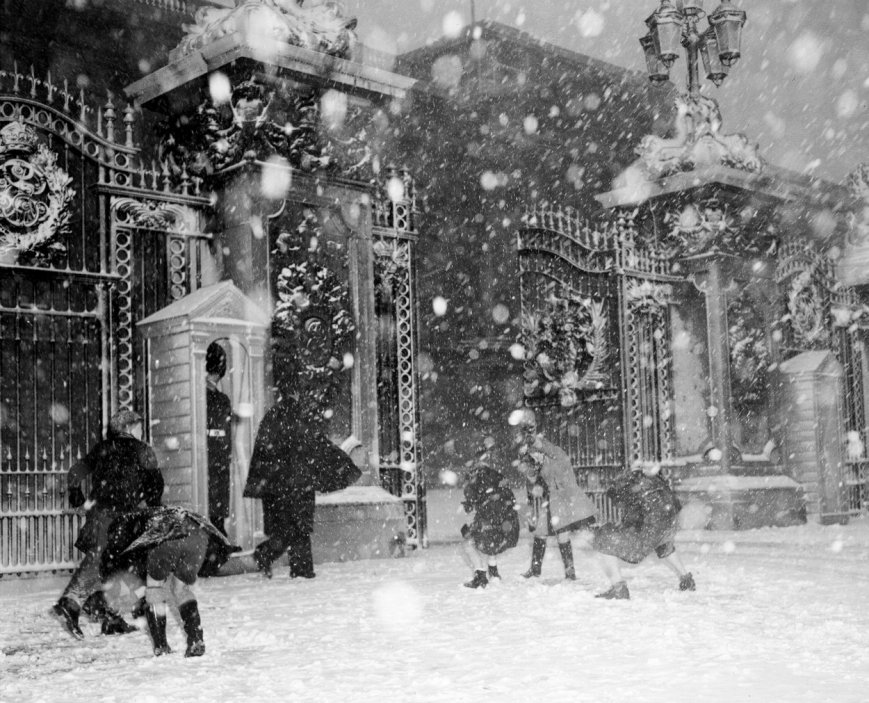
(219,417)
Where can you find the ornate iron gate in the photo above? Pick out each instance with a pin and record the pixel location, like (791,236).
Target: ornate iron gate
(76,201)
(597,337)
(395,304)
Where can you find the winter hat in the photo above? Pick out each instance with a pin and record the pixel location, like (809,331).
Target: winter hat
(123,420)
(215,360)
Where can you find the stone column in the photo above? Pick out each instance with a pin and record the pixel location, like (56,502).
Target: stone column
(709,275)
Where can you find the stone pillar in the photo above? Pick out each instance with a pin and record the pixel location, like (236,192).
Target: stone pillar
(709,275)
(244,241)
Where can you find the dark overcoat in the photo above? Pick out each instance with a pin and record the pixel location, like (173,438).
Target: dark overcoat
(495,527)
(219,442)
(132,535)
(123,473)
(650,511)
(291,461)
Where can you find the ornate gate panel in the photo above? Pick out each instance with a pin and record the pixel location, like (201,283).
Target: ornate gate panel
(596,333)
(68,296)
(397,387)
(571,322)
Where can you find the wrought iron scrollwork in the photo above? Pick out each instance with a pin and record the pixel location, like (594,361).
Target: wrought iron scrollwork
(35,195)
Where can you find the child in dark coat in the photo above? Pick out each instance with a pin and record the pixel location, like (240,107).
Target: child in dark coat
(166,547)
(649,524)
(495,527)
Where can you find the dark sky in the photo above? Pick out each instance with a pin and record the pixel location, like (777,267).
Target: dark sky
(801,89)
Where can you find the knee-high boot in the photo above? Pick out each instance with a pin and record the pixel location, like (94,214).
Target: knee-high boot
(538,550)
(157,627)
(567,557)
(301,557)
(189,613)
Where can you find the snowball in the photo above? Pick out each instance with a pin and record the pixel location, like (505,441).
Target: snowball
(397,605)
(489,180)
(590,24)
(447,71)
(848,104)
(448,478)
(453,23)
(275,178)
(805,52)
(219,87)
(439,305)
(500,313)
(333,108)
(59,413)
(530,124)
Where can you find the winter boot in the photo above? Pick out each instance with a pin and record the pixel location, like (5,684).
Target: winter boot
(538,550)
(617,592)
(566,550)
(140,609)
(479,580)
(111,621)
(157,626)
(189,613)
(493,572)
(263,564)
(67,611)
(301,558)
(686,583)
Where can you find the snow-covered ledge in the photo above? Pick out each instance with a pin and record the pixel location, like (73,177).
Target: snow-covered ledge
(360,522)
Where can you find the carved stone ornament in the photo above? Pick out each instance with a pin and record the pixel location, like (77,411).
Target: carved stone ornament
(35,193)
(392,260)
(565,349)
(697,227)
(150,214)
(858,182)
(647,297)
(260,122)
(697,141)
(319,27)
(806,309)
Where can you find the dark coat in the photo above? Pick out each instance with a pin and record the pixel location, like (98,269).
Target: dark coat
(495,527)
(291,461)
(219,442)
(132,535)
(123,473)
(650,510)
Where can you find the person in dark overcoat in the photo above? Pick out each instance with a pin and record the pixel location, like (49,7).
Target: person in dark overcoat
(124,474)
(219,416)
(559,505)
(495,527)
(650,511)
(166,548)
(292,460)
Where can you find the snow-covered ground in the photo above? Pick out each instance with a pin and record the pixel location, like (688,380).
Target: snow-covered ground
(779,615)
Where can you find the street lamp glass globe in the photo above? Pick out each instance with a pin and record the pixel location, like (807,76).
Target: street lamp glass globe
(665,26)
(727,21)
(716,71)
(658,72)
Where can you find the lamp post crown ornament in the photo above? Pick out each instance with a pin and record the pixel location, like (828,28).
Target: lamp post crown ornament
(697,140)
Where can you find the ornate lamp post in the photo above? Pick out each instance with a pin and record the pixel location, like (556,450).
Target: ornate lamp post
(676,23)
